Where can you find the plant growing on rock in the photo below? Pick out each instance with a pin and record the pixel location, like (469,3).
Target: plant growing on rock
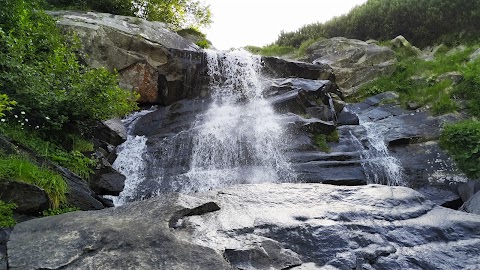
(6,214)
(21,169)
(462,141)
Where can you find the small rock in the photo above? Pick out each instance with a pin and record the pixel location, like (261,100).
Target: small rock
(472,205)
(454,76)
(468,189)
(111,131)
(107,181)
(412,105)
(474,56)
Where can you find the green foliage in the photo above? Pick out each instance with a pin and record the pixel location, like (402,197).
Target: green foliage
(333,137)
(270,50)
(21,169)
(304,45)
(178,13)
(203,43)
(320,140)
(58,211)
(422,22)
(40,71)
(6,214)
(469,88)
(462,141)
(417,80)
(200,37)
(73,160)
(5,104)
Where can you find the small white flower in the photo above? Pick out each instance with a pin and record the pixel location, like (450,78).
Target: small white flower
(37,127)
(22,124)
(3,120)
(22,112)
(16,116)
(26,119)
(46,117)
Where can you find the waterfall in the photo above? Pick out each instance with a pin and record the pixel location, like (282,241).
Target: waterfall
(130,160)
(236,139)
(239,138)
(380,167)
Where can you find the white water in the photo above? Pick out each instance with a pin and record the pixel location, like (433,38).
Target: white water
(380,167)
(239,138)
(130,160)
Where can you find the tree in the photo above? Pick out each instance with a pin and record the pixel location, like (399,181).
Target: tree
(178,13)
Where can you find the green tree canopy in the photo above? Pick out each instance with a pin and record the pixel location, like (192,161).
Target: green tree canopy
(422,22)
(177,13)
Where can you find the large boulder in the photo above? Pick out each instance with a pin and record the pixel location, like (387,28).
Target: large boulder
(354,62)
(156,62)
(268,226)
(30,199)
(4,236)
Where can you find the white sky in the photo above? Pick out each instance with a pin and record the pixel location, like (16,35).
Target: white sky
(237,23)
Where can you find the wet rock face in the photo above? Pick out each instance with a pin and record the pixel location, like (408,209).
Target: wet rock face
(150,59)
(266,226)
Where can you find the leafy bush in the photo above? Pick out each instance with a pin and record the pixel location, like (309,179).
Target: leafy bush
(21,169)
(5,104)
(422,22)
(469,88)
(40,71)
(462,141)
(6,214)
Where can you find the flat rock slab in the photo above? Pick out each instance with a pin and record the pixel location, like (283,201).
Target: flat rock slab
(266,226)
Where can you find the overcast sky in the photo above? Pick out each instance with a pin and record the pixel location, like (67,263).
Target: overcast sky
(237,23)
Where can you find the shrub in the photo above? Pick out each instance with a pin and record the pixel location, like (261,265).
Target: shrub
(6,214)
(40,71)
(462,141)
(270,50)
(469,88)
(5,104)
(21,169)
(320,140)
(58,211)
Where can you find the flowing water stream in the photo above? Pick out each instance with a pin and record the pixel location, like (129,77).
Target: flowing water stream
(237,140)
(379,165)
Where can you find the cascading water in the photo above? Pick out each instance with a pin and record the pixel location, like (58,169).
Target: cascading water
(239,138)
(130,160)
(379,166)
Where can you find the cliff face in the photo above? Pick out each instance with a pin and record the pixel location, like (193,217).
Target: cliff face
(160,65)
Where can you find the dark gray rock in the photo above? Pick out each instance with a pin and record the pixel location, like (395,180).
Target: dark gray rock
(111,131)
(136,236)
(281,68)
(107,181)
(347,118)
(79,193)
(468,189)
(268,226)
(30,199)
(472,205)
(4,236)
